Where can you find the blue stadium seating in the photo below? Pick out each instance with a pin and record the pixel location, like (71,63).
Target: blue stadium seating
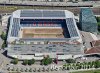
(15,27)
(42,22)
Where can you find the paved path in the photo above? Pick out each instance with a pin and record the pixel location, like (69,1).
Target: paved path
(87,38)
(5,60)
(26,2)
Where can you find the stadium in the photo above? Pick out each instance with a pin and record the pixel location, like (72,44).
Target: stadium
(36,33)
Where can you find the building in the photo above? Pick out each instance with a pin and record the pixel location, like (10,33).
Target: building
(37,33)
(88,21)
(95,48)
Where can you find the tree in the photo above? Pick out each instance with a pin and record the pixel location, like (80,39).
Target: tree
(70,61)
(97,64)
(90,64)
(50,60)
(30,62)
(95,72)
(98,19)
(4,45)
(3,36)
(15,61)
(65,65)
(25,62)
(93,62)
(46,61)
(78,65)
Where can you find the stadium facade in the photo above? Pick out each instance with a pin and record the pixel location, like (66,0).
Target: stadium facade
(37,33)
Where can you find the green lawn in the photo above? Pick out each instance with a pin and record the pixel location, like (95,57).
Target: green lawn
(90,71)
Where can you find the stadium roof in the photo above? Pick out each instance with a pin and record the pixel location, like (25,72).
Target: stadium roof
(30,13)
(42,13)
(15,21)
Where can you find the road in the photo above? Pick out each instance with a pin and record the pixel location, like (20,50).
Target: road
(75,10)
(48,3)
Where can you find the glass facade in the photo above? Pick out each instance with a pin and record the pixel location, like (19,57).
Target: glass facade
(87,20)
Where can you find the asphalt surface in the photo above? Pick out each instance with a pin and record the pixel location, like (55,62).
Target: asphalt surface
(75,10)
(49,3)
